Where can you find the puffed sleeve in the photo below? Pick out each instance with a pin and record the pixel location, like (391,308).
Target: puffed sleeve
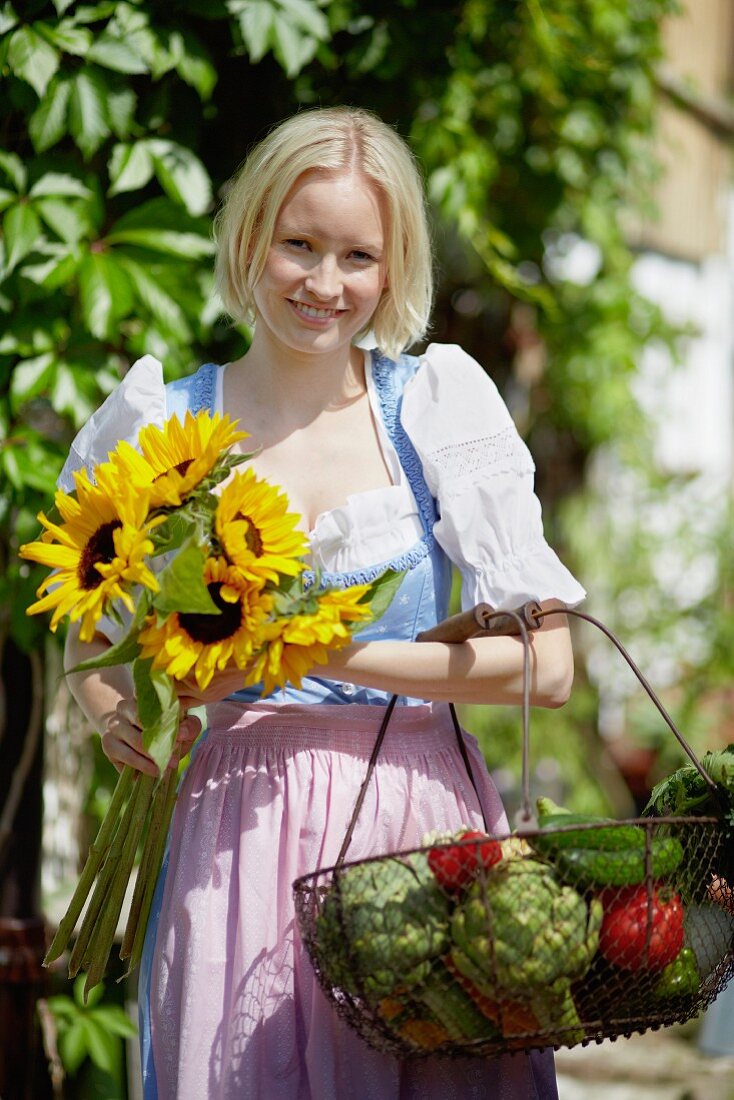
(481,474)
(139,399)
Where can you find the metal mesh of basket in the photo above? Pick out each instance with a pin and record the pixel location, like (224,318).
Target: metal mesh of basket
(562,936)
(483,945)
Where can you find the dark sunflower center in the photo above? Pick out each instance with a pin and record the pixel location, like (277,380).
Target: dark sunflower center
(253,538)
(208,629)
(180,467)
(100,548)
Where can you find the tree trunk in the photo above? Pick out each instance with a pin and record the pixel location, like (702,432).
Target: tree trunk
(23,1071)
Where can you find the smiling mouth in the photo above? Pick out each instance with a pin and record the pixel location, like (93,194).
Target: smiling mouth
(314,312)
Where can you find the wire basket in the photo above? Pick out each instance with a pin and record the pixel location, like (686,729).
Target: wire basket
(554,936)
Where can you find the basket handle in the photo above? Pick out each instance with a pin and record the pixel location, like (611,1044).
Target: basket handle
(483,621)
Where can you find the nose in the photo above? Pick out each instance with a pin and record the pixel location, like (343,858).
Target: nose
(324,279)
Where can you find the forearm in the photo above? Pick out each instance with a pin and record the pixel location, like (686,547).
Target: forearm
(483,670)
(97,692)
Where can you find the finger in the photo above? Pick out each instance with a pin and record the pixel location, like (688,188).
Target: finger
(122,753)
(127,711)
(188,730)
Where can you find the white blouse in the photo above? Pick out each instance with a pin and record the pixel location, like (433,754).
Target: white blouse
(475,463)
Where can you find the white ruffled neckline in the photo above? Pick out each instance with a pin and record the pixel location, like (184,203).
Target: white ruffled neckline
(373,525)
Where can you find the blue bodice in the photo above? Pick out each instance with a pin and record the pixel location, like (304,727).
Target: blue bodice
(423,597)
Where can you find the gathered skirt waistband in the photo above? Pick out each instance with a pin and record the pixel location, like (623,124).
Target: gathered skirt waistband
(351,728)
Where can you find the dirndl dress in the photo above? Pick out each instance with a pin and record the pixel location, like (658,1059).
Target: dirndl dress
(229,1005)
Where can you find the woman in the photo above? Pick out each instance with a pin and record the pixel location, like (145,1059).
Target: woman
(391,461)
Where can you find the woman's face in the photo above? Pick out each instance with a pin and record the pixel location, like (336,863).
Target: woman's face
(325,270)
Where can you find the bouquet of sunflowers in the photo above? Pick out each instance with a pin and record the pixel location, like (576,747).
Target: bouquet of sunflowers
(199,581)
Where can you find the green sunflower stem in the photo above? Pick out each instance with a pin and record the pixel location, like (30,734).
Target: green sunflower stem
(165,792)
(97,854)
(103,932)
(106,874)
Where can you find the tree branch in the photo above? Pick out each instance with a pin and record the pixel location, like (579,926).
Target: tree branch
(713,111)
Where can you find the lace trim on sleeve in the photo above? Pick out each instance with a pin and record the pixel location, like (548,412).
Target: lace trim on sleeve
(501,453)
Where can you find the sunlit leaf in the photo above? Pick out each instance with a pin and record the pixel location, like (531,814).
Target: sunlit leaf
(106,293)
(151,294)
(169,242)
(32,58)
(47,124)
(67,37)
(59,183)
(21,229)
(291,47)
(182,175)
(113,53)
(14,169)
(67,219)
(196,68)
(8,18)
(130,167)
(255,18)
(30,377)
(55,271)
(121,103)
(87,112)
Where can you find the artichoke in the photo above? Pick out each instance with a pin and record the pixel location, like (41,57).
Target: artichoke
(381,925)
(521,935)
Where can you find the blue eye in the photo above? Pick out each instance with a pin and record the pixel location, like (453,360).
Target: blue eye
(296,242)
(362,256)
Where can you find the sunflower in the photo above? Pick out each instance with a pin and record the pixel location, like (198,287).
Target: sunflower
(172,460)
(256,531)
(209,643)
(298,643)
(97,553)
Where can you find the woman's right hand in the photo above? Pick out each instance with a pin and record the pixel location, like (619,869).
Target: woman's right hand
(122,739)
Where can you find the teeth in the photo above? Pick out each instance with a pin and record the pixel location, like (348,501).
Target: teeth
(311,311)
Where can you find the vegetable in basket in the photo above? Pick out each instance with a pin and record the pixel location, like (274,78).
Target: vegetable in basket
(520,933)
(640,932)
(455,865)
(382,925)
(680,978)
(685,793)
(611,855)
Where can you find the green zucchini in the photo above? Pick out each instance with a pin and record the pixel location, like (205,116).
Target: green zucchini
(598,867)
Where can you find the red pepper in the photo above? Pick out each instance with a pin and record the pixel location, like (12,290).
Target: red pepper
(455,865)
(623,939)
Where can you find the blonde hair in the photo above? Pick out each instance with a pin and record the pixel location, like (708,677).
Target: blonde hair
(331,139)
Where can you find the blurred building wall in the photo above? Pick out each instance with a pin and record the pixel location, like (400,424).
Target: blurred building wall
(687,254)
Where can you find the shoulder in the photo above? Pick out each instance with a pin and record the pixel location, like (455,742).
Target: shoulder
(450,388)
(140,399)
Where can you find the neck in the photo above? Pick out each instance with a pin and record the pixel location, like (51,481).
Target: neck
(299,385)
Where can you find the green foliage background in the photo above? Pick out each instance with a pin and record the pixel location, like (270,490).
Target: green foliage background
(121,121)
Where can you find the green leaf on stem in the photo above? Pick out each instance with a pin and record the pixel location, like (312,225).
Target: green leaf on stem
(382,591)
(127,649)
(182,586)
(159,710)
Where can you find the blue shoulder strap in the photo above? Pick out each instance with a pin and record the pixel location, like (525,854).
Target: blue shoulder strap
(390,378)
(194,392)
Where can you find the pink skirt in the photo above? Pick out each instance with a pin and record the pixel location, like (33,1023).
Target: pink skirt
(235,1009)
